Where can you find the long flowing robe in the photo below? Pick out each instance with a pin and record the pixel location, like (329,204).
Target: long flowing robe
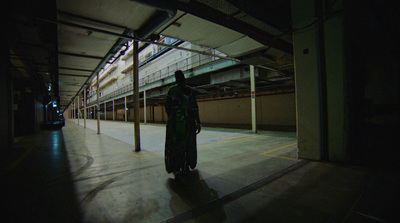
(180,142)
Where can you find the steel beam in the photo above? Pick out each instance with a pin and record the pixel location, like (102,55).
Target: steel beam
(144,107)
(84,108)
(79,111)
(98,104)
(136,95)
(125,110)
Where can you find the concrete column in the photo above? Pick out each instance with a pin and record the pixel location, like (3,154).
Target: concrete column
(98,104)
(113,111)
(253,100)
(84,108)
(136,95)
(79,110)
(105,110)
(144,107)
(126,113)
(306,72)
(73,114)
(320,81)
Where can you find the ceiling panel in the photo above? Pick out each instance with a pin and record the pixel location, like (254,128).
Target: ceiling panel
(81,41)
(71,79)
(78,62)
(74,72)
(80,49)
(241,47)
(201,32)
(59,35)
(120,12)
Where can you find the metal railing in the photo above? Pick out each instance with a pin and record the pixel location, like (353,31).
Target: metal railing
(185,64)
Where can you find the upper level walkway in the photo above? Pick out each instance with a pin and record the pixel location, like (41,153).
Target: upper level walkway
(195,64)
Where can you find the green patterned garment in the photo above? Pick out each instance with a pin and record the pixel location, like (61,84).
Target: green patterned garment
(180,143)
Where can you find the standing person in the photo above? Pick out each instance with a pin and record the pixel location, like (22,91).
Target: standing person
(182,126)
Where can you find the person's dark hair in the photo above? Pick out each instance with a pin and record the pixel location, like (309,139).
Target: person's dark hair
(179,77)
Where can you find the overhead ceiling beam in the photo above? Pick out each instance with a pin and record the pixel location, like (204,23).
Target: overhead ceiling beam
(163,15)
(208,13)
(73,75)
(114,49)
(91,20)
(81,55)
(77,69)
(131,37)
(274,13)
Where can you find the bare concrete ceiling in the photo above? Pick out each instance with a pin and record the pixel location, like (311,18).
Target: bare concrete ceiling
(89,33)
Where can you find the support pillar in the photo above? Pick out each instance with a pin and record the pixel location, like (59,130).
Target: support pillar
(319,52)
(136,95)
(98,104)
(73,114)
(144,107)
(126,111)
(105,110)
(84,108)
(253,100)
(113,111)
(79,111)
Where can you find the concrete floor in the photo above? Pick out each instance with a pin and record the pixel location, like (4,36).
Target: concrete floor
(77,175)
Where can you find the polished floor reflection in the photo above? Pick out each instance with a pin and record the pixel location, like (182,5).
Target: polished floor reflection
(77,175)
